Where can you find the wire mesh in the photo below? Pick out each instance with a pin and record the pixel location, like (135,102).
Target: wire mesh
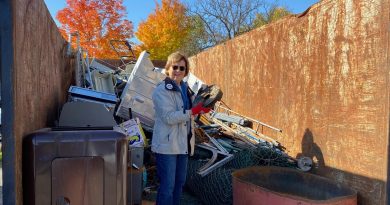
(216,187)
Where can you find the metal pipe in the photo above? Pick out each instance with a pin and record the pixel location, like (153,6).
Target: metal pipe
(252,134)
(88,68)
(78,56)
(216,143)
(211,165)
(219,105)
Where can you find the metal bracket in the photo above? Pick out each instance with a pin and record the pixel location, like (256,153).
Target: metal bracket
(211,165)
(215,142)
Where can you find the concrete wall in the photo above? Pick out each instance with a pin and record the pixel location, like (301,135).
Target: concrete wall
(322,77)
(34,83)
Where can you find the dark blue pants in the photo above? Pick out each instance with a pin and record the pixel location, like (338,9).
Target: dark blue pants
(171,171)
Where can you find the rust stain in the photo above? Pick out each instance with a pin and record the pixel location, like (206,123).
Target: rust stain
(324,73)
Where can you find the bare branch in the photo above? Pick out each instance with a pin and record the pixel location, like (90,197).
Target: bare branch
(224,19)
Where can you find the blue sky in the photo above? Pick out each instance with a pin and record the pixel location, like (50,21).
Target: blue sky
(138,10)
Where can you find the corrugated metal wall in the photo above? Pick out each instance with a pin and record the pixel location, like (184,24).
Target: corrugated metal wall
(40,76)
(322,77)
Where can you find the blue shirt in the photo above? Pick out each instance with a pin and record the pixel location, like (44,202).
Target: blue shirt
(184,96)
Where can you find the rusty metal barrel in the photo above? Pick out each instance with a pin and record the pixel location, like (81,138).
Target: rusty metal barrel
(286,186)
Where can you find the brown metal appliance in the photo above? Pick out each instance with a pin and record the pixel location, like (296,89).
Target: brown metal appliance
(79,167)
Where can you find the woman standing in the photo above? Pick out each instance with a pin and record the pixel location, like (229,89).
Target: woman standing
(173,137)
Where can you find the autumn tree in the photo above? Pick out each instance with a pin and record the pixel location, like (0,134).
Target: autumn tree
(97,22)
(166,30)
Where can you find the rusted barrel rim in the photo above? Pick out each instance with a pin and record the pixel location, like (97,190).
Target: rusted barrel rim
(236,176)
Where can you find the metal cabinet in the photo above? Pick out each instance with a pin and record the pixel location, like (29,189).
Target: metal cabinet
(80,167)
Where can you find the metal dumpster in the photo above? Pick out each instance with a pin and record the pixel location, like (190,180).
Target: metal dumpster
(83,167)
(286,186)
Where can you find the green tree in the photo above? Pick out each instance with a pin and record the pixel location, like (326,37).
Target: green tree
(198,38)
(271,15)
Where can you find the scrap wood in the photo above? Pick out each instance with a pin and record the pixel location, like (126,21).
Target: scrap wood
(235,133)
(204,120)
(200,135)
(252,133)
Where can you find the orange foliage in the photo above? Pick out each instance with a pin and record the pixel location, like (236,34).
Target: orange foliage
(97,22)
(164,31)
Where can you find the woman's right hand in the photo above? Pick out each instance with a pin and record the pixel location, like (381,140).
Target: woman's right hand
(199,109)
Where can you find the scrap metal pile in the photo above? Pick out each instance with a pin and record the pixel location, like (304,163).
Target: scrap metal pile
(226,140)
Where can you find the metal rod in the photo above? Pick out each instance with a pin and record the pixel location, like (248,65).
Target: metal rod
(250,132)
(256,121)
(211,165)
(215,142)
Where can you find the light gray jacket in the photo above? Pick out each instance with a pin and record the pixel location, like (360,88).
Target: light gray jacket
(171,126)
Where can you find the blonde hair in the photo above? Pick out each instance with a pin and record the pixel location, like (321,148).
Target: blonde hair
(175,58)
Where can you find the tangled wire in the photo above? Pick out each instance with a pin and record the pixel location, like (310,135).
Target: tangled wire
(216,187)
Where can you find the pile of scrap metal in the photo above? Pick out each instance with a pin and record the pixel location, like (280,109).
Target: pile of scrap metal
(228,141)
(101,95)
(106,95)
